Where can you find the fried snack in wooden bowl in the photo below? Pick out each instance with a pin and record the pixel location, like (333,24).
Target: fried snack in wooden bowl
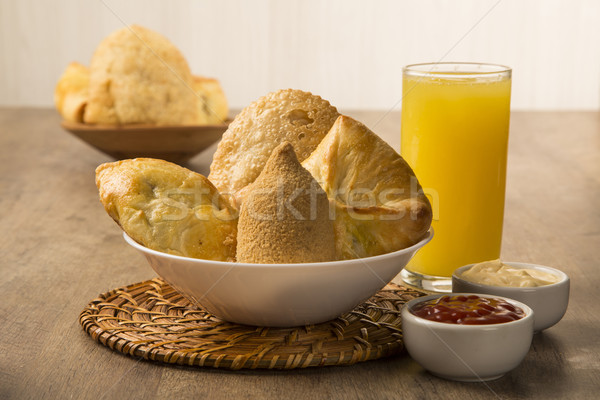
(139,99)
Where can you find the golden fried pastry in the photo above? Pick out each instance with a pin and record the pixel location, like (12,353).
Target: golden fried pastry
(139,76)
(285,217)
(168,208)
(213,102)
(298,117)
(379,205)
(71,92)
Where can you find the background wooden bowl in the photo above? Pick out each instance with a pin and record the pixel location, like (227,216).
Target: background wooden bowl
(172,143)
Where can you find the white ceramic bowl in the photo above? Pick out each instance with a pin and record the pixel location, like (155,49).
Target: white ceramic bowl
(549,302)
(467,353)
(278,295)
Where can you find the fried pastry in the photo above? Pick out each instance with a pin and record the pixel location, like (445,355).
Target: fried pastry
(139,76)
(380,206)
(168,208)
(285,217)
(213,103)
(298,117)
(71,92)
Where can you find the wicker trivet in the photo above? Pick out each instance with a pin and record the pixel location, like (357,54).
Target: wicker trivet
(152,320)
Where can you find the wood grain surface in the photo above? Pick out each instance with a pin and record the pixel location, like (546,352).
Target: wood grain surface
(177,144)
(59,250)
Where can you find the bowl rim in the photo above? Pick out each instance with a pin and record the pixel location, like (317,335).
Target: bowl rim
(81,126)
(529,314)
(520,265)
(409,249)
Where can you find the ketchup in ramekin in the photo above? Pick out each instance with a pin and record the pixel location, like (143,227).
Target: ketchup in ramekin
(468,310)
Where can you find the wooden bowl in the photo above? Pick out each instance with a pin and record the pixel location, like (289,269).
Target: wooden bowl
(172,143)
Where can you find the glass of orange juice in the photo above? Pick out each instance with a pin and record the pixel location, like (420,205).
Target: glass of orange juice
(455,119)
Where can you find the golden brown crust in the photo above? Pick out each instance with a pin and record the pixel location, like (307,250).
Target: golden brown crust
(168,208)
(139,76)
(379,203)
(213,102)
(71,92)
(298,117)
(285,218)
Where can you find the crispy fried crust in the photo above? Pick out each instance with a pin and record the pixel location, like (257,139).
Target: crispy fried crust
(298,117)
(213,103)
(168,208)
(139,76)
(285,218)
(379,203)
(71,92)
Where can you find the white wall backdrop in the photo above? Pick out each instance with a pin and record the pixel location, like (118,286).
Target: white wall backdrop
(350,52)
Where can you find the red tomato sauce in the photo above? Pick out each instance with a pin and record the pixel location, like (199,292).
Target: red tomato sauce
(468,310)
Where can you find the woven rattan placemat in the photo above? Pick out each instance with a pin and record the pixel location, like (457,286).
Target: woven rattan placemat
(152,320)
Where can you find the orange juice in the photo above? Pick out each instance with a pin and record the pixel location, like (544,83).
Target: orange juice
(455,137)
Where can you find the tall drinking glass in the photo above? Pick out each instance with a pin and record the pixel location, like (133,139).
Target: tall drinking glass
(455,119)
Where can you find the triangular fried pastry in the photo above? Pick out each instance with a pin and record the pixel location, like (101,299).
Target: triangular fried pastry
(285,216)
(168,208)
(379,204)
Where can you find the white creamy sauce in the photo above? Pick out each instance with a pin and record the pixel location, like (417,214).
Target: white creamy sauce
(495,273)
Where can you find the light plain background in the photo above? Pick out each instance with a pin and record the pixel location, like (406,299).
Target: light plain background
(350,52)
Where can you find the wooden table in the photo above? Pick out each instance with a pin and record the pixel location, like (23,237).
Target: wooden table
(60,250)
